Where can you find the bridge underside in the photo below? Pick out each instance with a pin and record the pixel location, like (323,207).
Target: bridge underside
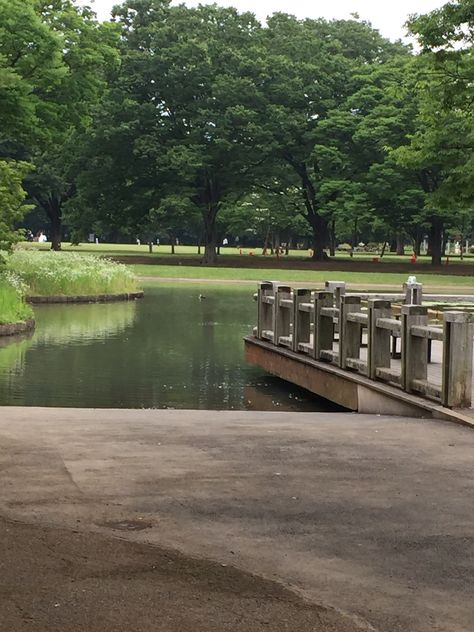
(349,390)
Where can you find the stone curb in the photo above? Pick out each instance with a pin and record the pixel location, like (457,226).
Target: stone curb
(93,298)
(14,329)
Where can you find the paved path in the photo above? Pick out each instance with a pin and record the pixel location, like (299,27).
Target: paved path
(371,515)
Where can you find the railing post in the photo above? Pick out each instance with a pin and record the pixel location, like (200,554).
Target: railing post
(338,288)
(323,326)
(413,293)
(264,310)
(456,391)
(414,348)
(378,352)
(301,320)
(349,332)
(282,315)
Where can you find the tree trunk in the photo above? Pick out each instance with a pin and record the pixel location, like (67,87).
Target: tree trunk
(265,243)
(332,242)
(400,245)
(417,245)
(393,245)
(320,233)
(54,213)
(355,241)
(150,247)
(436,238)
(172,247)
(210,237)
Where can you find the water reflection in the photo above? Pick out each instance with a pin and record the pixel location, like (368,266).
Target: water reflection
(169,350)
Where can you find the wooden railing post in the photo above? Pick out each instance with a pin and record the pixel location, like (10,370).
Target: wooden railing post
(264,310)
(378,352)
(283,313)
(414,348)
(301,319)
(338,288)
(349,332)
(323,326)
(456,390)
(413,293)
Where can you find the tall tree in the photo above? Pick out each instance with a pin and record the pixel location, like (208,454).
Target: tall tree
(311,66)
(441,147)
(89,52)
(187,88)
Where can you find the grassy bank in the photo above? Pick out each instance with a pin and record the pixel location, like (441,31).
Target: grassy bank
(69,274)
(13,308)
(461,284)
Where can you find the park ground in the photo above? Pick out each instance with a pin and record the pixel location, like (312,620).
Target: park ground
(359,272)
(144,520)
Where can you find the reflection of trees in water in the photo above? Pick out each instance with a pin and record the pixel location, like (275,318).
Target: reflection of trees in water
(198,347)
(35,370)
(179,353)
(72,323)
(12,351)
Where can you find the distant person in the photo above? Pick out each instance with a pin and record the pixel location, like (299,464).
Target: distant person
(225,241)
(42,239)
(29,235)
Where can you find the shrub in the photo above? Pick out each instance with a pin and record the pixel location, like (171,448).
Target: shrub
(344,247)
(70,274)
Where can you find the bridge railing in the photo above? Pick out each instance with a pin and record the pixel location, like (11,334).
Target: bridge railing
(356,333)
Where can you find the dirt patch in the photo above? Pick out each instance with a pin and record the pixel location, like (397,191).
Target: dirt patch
(56,580)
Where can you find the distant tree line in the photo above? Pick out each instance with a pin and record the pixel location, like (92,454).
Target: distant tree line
(171,121)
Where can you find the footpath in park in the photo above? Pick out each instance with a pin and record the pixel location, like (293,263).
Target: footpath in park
(138,520)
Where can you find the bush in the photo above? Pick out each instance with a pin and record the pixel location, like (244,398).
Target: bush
(13,308)
(344,247)
(70,274)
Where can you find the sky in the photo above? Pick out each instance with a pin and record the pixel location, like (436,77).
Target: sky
(388,16)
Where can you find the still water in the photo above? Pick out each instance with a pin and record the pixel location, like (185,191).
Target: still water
(168,350)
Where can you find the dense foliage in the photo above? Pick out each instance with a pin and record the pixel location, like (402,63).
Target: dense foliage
(201,123)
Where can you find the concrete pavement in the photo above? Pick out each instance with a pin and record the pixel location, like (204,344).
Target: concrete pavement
(370,515)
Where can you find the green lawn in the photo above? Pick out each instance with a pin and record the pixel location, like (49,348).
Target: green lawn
(184,251)
(356,279)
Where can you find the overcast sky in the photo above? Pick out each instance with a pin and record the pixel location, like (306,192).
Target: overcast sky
(386,15)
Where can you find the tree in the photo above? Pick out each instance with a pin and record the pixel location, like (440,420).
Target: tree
(89,52)
(187,90)
(12,201)
(311,66)
(447,37)
(52,58)
(441,147)
(30,67)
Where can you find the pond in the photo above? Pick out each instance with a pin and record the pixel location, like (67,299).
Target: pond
(168,350)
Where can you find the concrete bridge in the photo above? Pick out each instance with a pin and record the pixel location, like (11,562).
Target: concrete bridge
(384,353)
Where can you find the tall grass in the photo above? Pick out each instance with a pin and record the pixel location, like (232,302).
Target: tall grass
(13,308)
(70,274)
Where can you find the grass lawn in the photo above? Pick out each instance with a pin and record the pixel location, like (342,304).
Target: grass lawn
(124,250)
(358,280)
(13,308)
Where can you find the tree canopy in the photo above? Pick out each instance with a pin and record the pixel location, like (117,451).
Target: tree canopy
(171,121)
